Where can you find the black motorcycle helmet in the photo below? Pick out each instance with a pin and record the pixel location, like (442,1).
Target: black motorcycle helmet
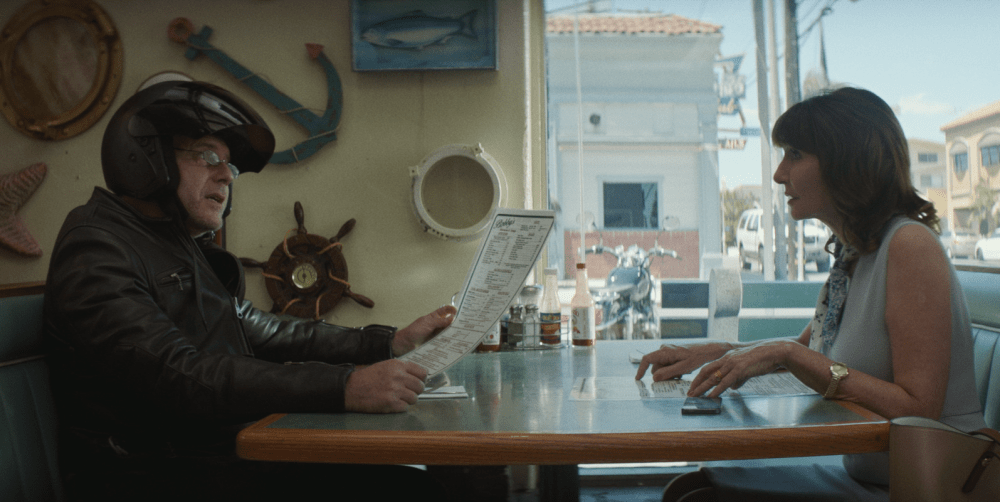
(137,154)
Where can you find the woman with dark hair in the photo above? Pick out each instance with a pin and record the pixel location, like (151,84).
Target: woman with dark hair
(891,330)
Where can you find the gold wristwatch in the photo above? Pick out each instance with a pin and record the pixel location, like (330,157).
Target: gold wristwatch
(838,372)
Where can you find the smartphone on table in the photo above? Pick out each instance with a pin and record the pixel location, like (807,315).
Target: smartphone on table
(702,406)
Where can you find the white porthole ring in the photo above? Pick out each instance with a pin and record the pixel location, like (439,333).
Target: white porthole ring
(455,190)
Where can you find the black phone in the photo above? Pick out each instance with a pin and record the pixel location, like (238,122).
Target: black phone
(702,406)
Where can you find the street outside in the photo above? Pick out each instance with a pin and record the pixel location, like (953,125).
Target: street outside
(755,274)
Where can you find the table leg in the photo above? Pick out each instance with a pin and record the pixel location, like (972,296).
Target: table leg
(558,483)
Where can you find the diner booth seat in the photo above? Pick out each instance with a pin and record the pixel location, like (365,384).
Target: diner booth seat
(28,463)
(982,292)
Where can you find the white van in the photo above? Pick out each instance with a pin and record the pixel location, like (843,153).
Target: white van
(750,240)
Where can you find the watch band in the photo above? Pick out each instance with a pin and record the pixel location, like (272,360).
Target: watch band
(838,371)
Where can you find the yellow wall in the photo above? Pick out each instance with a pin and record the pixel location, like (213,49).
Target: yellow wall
(391,121)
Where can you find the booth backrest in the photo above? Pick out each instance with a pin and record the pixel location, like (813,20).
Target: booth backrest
(987,357)
(28,463)
(782,308)
(982,293)
(769,309)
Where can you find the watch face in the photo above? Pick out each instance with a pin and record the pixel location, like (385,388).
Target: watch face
(304,276)
(839,370)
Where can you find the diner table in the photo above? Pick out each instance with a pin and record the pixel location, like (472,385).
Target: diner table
(522,409)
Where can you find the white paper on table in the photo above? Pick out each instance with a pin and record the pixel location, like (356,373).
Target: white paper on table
(629,389)
(452,392)
(505,257)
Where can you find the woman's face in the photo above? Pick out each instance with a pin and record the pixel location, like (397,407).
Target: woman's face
(807,195)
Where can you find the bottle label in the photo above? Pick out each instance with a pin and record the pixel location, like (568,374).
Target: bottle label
(551,327)
(582,323)
(491,338)
(490,342)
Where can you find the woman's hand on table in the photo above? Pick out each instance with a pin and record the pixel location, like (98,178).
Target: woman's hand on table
(672,361)
(740,364)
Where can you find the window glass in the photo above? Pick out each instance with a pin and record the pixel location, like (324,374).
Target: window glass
(630,205)
(991,155)
(961,162)
(658,116)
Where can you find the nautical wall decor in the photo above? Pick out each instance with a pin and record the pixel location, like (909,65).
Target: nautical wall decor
(15,189)
(306,274)
(321,128)
(60,67)
(423,34)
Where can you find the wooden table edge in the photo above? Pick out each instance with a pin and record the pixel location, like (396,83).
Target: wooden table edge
(260,442)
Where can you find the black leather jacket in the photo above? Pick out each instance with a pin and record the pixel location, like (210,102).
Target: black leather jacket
(151,339)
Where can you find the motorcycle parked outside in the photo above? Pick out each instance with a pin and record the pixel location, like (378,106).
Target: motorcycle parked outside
(627,299)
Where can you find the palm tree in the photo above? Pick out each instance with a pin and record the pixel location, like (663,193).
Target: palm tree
(984,205)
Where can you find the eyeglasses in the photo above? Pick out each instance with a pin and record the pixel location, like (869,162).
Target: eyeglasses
(212,159)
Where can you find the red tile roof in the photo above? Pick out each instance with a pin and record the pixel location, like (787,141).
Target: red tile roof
(981,113)
(668,24)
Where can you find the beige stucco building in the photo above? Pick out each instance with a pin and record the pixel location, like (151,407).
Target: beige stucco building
(928,170)
(972,144)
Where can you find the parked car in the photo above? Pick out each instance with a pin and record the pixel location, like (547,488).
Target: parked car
(750,240)
(959,244)
(989,248)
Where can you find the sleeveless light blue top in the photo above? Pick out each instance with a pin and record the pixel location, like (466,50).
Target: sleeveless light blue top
(863,345)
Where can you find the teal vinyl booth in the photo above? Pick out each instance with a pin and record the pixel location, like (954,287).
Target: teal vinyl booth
(28,463)
(28,451)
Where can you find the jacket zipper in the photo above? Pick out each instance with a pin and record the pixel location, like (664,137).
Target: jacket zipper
(190,243)
(180,284)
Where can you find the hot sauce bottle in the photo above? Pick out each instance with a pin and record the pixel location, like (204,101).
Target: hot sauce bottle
(551,310)
(582,320)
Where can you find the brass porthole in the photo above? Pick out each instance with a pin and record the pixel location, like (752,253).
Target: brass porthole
(61,65)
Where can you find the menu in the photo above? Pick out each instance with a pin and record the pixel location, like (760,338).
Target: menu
(505,257)
(628,388)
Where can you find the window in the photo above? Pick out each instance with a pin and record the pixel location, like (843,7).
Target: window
(675,86)
(630,205)
(991,155)
(931,181)
(961,162)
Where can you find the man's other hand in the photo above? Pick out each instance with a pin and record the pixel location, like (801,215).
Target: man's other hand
(422,330)
(385,387)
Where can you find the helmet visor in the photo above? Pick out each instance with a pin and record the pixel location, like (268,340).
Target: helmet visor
(197,109)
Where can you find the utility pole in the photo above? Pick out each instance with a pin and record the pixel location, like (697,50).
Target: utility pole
(793,94)
(767,200)
(781,260)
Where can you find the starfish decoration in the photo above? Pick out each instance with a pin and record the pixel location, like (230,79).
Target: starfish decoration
(15,189)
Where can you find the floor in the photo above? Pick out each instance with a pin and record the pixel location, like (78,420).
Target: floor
(500,484)
(623,494)
(604,494)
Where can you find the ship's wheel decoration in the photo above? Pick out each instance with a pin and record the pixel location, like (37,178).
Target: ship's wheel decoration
(306,274)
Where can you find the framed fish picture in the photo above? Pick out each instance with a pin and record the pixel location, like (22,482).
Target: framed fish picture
(423,34)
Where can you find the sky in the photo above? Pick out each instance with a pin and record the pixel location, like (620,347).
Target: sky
(931,60)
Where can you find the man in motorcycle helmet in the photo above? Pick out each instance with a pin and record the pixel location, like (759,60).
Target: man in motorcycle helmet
(157,358)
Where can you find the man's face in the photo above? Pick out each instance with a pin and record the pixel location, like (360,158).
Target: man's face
(203,188)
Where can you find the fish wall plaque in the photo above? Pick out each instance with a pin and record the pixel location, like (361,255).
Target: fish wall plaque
(424,35)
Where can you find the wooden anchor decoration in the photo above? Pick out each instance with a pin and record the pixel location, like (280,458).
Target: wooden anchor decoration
(321,128)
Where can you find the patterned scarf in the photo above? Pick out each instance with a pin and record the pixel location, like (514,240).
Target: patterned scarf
(830,304)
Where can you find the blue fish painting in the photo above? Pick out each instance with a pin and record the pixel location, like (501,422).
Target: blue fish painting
(417,30)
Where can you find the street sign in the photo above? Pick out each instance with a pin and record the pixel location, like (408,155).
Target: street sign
(732,143)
